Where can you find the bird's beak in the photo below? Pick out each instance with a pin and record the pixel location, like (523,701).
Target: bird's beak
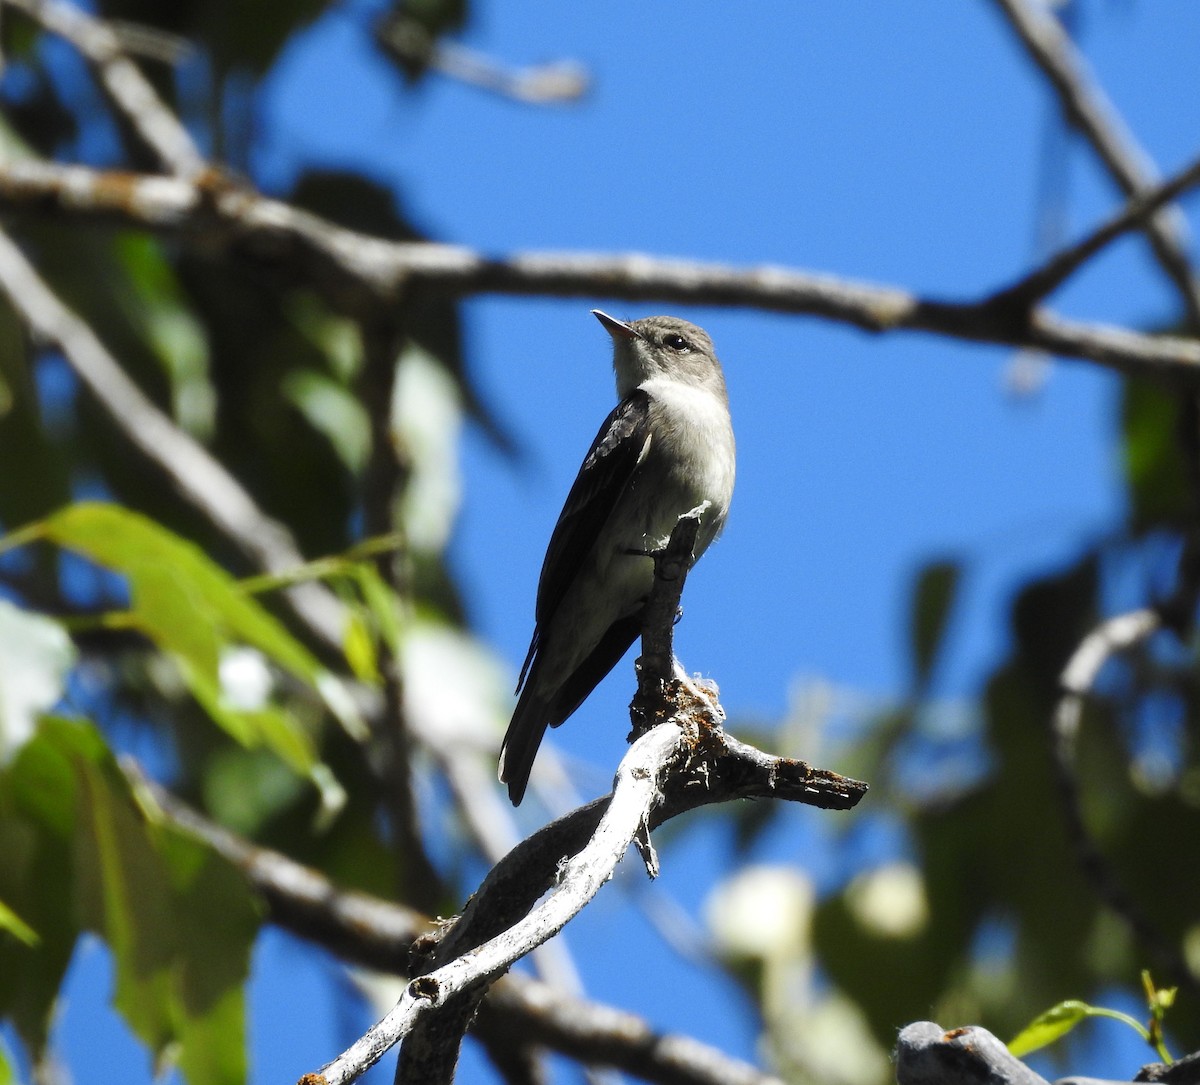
(618,329)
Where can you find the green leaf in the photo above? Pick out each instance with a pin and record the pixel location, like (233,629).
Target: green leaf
(1155,458)
(196,612)
(179,920)
(333,411)
(156,307)
(1057,1021)
(1047,1027)
(78,850)
(8,1076)
(933,599)
(383,604)
(337,337)
(359,649)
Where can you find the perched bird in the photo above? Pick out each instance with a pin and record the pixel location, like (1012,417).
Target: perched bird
(666,449)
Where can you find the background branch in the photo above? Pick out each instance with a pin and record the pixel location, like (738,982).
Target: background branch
(360,272)
(409,43)
(1089,110)
(130,92)
(1043,281)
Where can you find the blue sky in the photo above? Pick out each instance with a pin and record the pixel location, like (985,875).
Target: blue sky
(901,143)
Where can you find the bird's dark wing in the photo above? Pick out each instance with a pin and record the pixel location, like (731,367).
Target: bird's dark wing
(621,444)
(610,464)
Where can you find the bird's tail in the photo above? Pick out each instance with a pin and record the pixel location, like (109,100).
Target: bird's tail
(521,741)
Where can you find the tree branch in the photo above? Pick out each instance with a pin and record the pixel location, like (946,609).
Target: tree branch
(414,48)
(1088,108)
(1043,281)
(926,1054)
(361,272)
(130,92)
(354,926)
(430,1052)
(606,1036)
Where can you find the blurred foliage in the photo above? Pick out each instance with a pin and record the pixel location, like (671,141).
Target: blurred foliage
(124,608)
(84,852)
(1002,918)
(235,35)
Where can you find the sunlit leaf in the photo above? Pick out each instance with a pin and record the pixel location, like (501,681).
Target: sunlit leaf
(427,422)
(194,610)
(359,649)
(78,849)
(16,926)
(1057,1021)
(35,656)
(8,1076)
(334,412)
(178,919)
(1052,1025)
(382,604)
(156,306)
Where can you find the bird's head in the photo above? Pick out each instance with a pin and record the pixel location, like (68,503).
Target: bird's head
(661,346)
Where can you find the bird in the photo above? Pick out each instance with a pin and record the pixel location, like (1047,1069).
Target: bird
(666,449)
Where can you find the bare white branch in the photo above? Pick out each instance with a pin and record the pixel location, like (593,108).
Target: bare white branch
(637,784)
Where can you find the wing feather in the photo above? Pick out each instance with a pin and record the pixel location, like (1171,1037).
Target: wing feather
(619,447)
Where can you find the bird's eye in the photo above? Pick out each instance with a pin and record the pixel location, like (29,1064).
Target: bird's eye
(675,342)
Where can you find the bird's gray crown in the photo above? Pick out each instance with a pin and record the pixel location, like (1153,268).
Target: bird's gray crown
(662,346)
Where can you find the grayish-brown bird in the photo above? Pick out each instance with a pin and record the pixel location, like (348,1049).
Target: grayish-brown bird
(666,449)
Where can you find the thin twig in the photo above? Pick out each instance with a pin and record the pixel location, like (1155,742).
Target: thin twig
(1089,109)
(1043,281)
(131,93)
(554,83)
(200,479)
(362,272)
